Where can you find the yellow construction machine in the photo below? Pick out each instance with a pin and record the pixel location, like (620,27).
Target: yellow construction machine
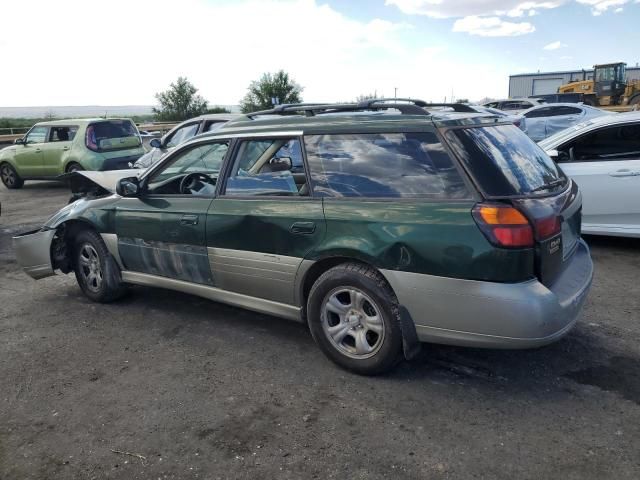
(609,87)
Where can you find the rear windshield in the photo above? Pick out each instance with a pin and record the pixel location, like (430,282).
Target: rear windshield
(505,162)
(111,135)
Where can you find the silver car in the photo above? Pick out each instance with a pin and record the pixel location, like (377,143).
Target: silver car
(544,120)
(603,157)
(181,133)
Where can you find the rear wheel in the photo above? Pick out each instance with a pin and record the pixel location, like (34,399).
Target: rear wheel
(354,319)
(96,270)
(10,177)
(74,167)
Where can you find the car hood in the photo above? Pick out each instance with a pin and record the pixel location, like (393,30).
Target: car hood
(84,181)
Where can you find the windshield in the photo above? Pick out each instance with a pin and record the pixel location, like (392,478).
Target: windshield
(505,162)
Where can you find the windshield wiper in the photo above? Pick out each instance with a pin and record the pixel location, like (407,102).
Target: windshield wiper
(548,186)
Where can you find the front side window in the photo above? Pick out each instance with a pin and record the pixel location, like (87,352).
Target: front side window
(36,135)
(268,167)
(205,160)
(611,143)
(182,134)
(62,134)
(382,165)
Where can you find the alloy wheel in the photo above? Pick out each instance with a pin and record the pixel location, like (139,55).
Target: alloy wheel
(90,267)
(352,322)
(8,176)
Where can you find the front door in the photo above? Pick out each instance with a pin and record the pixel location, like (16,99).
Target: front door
(264,222)
(606,165)
(29,156)
(162,232)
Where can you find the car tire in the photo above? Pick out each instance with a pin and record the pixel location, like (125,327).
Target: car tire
(74,167)
(96,270)
(354,318)
(10,177)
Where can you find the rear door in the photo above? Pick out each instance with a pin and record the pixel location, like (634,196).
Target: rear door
(29,156)
(561,117)
(264,222)
(606,164)
(58,143)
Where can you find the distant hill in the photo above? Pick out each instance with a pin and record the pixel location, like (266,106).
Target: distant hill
(85,111)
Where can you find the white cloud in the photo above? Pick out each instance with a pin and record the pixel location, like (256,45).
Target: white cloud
(491,27)
(467,8)
(98,55)
(598,7)
(554,45)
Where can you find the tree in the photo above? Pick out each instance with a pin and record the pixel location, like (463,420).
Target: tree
(217,109)
(271,85)
(179,102)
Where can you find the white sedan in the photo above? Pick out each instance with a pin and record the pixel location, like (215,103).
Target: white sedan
(603,157)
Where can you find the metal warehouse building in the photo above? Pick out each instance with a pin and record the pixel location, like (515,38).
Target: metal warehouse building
(525,84)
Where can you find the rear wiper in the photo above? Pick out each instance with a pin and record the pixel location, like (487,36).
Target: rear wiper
(549,186)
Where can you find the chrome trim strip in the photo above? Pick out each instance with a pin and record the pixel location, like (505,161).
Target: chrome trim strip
(231,298)
(111,241)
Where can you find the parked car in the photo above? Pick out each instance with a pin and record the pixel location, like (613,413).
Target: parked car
(396,228)
(603,157)
(511,118)
(514,106)
(181,133)
(52,148)
(544,120)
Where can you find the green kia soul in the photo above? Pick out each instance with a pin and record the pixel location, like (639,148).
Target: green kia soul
(52,148)
(380,225)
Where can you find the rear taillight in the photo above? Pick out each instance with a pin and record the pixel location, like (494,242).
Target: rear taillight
(503,225)
(90,139)
(547,227)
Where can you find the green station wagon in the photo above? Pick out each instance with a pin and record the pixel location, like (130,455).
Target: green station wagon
(381,225)
(52,148)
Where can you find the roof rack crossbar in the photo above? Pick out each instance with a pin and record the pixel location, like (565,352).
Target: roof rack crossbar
(406,106)
(456,107)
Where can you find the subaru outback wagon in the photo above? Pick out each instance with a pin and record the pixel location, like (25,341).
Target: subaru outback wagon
(400,225)
(52,148)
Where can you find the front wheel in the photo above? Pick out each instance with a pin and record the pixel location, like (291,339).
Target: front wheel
(354,319)
(10,177)
(96,270)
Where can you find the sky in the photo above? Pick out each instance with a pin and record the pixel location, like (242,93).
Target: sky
(121,52)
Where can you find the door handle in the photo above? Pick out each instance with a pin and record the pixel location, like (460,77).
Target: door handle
(624,173)
(189,220)
(304,228)
(65,148)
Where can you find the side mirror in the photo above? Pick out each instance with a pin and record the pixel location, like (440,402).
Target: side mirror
(554,154)
(155,143)
(19,141)
(128,187)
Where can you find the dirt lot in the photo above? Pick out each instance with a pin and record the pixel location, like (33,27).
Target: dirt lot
(194,389)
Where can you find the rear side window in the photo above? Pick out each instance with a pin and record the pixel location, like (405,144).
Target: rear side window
(505,162)
(382,165)
(62,134)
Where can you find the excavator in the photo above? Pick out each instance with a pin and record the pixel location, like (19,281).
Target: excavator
(609,87)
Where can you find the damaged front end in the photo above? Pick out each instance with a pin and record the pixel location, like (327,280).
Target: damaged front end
(34,252)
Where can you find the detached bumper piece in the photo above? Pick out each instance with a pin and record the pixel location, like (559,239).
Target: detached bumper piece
(33,252)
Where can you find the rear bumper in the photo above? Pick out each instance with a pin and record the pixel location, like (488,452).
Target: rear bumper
(33,252)
(495,315)
(120,163)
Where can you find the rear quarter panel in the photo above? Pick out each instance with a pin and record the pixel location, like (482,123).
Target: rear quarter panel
(435,238)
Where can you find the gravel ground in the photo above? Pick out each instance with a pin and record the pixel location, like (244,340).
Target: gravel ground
(166,385)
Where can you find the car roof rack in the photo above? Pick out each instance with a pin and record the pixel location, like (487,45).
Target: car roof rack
(406,106)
